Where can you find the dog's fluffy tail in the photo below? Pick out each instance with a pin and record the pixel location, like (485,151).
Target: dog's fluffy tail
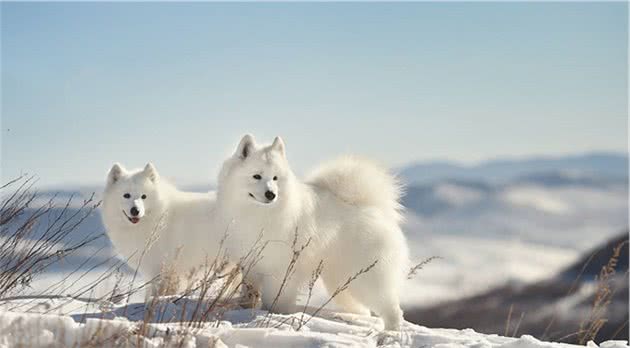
(361,182)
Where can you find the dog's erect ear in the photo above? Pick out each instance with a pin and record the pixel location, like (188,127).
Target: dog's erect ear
(115,173)
(245,147)
(278,145)
(151,172)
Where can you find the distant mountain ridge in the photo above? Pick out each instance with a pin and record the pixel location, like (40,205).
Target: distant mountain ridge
(596,164)
(581,168)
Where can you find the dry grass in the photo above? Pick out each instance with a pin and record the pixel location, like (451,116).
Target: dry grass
(297,323)
(590,326)
(311,285)
(338,290)
(596,318)
(572,290)
(289,272)
(25,254)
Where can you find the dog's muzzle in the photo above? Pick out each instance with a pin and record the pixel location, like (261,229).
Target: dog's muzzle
(134,219)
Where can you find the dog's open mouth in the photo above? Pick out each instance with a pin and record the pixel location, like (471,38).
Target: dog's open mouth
(133,220)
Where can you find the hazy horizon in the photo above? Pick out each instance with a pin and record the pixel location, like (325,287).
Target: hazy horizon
(211,182)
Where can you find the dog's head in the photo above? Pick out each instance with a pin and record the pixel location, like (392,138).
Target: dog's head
(132,195)
(257,174)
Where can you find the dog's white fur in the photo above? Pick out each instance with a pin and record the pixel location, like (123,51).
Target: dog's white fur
(348,208)
(179,220)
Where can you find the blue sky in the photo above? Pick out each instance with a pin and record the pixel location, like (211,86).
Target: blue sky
(87,84)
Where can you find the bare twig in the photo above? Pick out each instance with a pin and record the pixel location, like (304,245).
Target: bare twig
(414,270)
(507,322)
(290,270)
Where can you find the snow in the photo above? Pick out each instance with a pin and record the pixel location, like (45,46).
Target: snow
(81,323)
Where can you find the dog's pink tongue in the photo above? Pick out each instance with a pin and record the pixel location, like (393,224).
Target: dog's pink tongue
(135,220)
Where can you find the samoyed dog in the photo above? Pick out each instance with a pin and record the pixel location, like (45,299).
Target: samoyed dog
(349,211)
(144,214)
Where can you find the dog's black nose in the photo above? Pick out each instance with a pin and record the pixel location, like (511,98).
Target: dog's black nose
(134,211)
(270,195)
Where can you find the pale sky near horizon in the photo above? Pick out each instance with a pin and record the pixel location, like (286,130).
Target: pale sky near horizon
(88,84)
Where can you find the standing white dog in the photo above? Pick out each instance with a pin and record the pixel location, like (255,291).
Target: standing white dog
(144,213)
(350,211)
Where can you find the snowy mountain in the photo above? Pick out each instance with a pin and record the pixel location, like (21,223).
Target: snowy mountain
(610,165)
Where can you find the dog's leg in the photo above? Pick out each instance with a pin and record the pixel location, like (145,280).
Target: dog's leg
(344,299)
(280,298)
(378,290)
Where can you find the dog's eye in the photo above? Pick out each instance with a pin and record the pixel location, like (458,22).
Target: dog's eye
(275,178)
(126,195)
(143,196)
(257,177)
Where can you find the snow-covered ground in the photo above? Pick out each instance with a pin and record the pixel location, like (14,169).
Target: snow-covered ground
(103,325)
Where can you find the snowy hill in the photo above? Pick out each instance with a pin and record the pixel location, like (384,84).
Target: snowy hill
(237,328)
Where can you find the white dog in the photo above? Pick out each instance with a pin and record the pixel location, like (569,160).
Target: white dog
(349,210)
(144,214)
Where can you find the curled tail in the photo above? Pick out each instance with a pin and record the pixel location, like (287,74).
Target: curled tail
(361,182)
